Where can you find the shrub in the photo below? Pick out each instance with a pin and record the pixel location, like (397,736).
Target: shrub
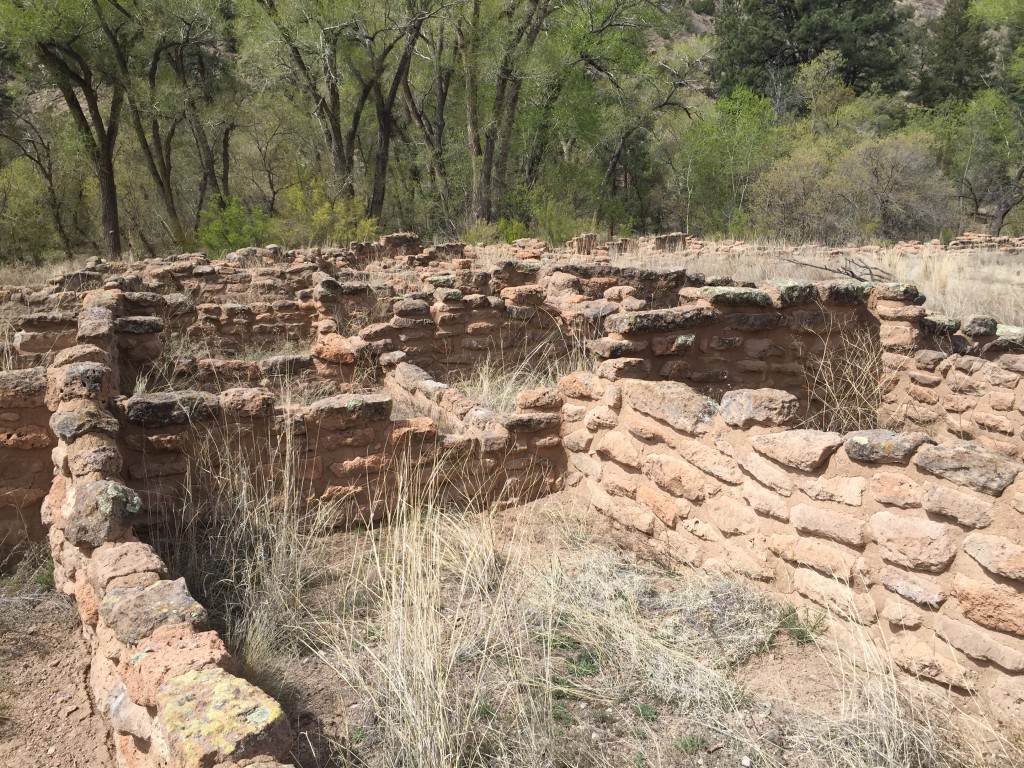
(511,230)
(310,215)
(26,228)
(228,223)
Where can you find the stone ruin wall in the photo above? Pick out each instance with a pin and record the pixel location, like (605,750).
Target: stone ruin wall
(683,433)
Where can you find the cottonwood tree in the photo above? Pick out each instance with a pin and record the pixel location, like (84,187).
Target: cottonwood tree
(61,44)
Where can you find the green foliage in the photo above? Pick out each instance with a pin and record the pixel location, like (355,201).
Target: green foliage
(268,121)
(584,664)
(557,221)
(510,230)
(691,744)
(26,228)
(801,625)
(646,712)
(723,154)
(308,215)
(944,74)
(761,43)
(481,232)
(884,188)
(981,146)
(227,224)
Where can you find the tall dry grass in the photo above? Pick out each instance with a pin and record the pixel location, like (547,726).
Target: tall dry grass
(845,381)
(501,376)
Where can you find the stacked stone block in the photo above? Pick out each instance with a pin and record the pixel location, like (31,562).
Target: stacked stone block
(25,466)
(914,540)
(157,674)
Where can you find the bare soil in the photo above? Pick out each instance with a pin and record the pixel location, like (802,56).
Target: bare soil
(47,718)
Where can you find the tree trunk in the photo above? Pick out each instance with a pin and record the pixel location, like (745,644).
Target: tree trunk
(1013,197)
(108,202)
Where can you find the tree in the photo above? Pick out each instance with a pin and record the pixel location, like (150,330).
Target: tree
(982,144)
(956,59)
(760,43)
(60,44)
(722,156)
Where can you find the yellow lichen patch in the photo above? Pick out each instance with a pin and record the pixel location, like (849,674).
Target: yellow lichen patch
(208,716)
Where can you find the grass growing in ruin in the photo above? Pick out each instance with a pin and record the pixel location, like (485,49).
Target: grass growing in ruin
(495,382)
(460,636)
(844,382)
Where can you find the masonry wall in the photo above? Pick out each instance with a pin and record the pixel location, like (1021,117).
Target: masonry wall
(917,541)
(962,380)
(723,338)
(160,678)
(25,466)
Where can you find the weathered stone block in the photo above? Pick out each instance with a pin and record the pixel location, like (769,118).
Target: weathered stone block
(895,490)
(805,449)
(23,388)
(731,517)
(675,475)
(660,320)
(69,425)
(901,615)
(827,524)
(133,613)
(991,605)
(921,660)
(835,597)
(970,465)
(980,646)
(94,454)
(842,490)
(996,554)
(831,560)
(971,511)
(676,404)
(207,717)
(168,408)
(745,408)
(922,590)
(622,448)
(767,474)
(914,542)
(882,446)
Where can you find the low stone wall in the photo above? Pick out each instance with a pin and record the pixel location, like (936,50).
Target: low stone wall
(962,380)
(521,452)
(338,449)
(918,542)
(727,337)
(25,466)
(161,679)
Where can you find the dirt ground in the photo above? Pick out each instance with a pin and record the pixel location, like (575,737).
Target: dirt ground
(47,719)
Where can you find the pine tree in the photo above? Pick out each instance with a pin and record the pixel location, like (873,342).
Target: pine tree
(956,58)
(760,42)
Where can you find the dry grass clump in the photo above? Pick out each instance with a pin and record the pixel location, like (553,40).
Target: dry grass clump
(8,354)
(245,538)
(460,636)
(846,380)
(495,382)
(28,274)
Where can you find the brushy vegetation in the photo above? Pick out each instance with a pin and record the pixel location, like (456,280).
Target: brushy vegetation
(824,119)
(497,380)
(469,637)
(845,379)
